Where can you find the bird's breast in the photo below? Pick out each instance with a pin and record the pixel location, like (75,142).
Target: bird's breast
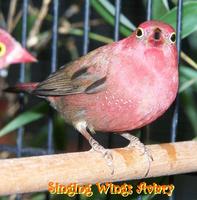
(138,91)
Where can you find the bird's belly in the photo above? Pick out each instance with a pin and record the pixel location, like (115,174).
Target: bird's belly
(126,114)
(108,111)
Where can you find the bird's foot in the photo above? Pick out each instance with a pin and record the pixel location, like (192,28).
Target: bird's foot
(136,143)
(85,129)
(105,152)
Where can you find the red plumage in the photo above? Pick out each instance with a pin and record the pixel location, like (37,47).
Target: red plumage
(11,51)
(118,87)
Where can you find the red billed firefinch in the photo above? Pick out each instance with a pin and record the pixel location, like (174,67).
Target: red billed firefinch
(11,51)
(118,87)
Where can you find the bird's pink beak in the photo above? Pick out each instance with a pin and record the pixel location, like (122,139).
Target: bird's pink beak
(27,57)
(19,55)
(156,39)
(23,56)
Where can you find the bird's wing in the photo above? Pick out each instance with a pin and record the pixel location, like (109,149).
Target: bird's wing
(80,76)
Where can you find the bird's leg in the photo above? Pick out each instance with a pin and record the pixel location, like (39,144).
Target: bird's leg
(136,143)
(82,128)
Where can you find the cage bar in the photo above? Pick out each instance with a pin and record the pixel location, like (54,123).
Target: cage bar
(173,132)
(117,20)
(86,29)
(149,10)
(53,69)
(22,76)
(178,44)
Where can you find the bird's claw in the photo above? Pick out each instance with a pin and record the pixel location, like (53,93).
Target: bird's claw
(136,143)
(105,152)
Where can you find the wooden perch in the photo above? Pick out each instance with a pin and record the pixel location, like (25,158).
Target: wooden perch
(30,174)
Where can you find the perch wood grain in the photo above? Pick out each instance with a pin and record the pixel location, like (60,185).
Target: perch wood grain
(30,174)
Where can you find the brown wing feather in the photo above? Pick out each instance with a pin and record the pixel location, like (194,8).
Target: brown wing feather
(78,77)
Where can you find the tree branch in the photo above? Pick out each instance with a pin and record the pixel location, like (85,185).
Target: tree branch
(30,174)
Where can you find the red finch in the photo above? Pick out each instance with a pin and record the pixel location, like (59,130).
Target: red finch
(118,87)
(11,51)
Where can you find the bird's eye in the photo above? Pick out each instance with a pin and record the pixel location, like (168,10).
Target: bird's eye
(2,49)
(139,33)
(173,37)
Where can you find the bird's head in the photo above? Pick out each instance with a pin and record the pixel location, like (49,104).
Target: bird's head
(156,34)
(11,51)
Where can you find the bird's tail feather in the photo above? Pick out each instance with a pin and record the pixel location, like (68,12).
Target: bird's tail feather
(22,87)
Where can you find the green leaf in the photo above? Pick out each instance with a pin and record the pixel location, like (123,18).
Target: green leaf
(189,107)
(189,18)
(30,22)
(188,72)
(188,78)
(93,36)
(187,84)
(107,11)
(38,196)
(165,3)
(159,8)
(24,118)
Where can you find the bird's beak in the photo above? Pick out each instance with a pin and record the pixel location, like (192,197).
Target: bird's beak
(24,56)
(20,55)
(27,57)
(156,38)
(157,34)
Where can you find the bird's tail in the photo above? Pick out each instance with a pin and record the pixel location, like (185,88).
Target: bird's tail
(22,87)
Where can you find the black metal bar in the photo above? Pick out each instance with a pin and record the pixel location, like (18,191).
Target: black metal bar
(174,121)
(176,108)
(178,44)
(117,19)
(50,133)
(86,29)
(53,69)
(28,151)
(139,197)
(20,131)
(116,38)
(54,35)
(22,74)
(149,10)
(145,131)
